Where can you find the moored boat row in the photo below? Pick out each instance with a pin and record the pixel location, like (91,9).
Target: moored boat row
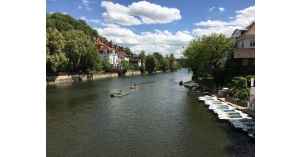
(239,121)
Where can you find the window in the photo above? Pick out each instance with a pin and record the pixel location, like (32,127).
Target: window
(242,43)
(253,61)
(245,61)
(252,43)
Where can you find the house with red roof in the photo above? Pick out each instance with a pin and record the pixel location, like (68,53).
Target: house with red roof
(114,53)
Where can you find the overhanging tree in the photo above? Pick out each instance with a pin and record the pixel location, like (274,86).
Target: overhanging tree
(208,54)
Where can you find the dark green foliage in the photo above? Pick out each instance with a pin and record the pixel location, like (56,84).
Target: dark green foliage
(238,89)
(106,66)
(64,22)
(151,63)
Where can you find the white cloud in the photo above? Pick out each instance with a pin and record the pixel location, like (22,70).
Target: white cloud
(226,30)
(110,25)
(211,23)
(138,13)
(90,20)
(221,9)
(158,41)
(230,17)
(79,7)
(122,19)
(86,4)
(240,21)
(211,8)
(82,18)
(64,13)
(95,21)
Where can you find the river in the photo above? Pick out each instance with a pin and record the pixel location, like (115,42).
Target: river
(156,119)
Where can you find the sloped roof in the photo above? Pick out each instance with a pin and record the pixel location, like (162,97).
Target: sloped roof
(244,53)
(250,31)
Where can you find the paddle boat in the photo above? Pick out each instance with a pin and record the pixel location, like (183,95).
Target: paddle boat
(196,92)
(226,118)
(118,94)
(208,101)
(244,125)
(190,84)
(221,111)
(215,107)
(233,122)
(207,97)
(234,113)
(133,86)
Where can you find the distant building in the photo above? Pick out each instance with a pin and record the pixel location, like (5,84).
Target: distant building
(114,53)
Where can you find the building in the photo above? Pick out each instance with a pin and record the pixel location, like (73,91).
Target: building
(244,49)
(115,53)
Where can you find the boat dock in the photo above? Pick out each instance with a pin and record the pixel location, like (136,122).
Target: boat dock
(243,109)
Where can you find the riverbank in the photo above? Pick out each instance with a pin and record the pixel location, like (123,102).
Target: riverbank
(57,78)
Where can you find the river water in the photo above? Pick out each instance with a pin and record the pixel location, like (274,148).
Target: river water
(156,119)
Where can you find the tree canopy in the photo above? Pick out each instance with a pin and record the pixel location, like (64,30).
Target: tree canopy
(208,54)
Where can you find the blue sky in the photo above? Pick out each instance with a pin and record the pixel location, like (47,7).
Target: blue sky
(158,25)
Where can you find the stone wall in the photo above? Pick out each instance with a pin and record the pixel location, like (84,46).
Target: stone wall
(61,78)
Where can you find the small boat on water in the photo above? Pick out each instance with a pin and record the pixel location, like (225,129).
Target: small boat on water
(134,86)
(221,111)
(190,84)
(118,94)
(245,125)
(238,121)
(226,118)
(206,97)
(196,92)
(215,107)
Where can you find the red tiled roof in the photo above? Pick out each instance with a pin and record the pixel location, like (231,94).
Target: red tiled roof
(244,53)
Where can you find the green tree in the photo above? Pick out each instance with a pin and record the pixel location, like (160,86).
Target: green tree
(128,51)
(76,44)
(150,64)
(208,54)
(82,21)
(142,57)
(238,88)
(55,57)
(106,66)
(125,66)
(91,61)
(165,64)
(171,60)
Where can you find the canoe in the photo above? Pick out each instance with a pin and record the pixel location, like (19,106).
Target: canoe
(118,95)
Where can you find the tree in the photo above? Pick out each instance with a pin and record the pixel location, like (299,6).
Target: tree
(82,21)
(125,66)
(128,51)
(150,64)
(171,60)
(91,61)
(106,66)
(165,64)
(208,54)
(55,57)
(142,57)
(76,43)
